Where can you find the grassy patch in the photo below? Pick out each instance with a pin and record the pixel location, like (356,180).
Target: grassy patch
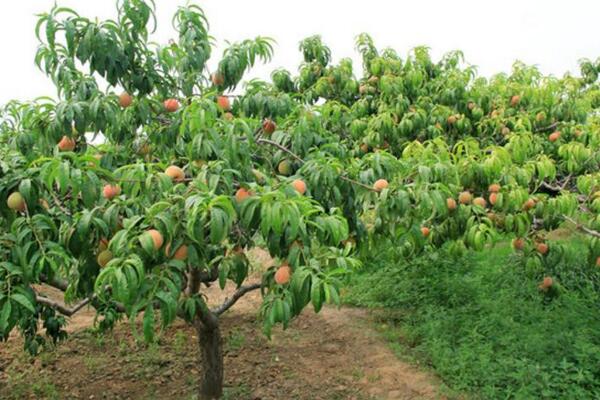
(482,324)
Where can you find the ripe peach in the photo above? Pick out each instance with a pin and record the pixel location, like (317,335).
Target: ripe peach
(494,188)
(542,248)
(111,191)
(554,136)
(451,120)
(547,283)
(180,254)
(493,198)
(66,144)
(519,243)
(125,99)
(465,197)
(175,173)
(480,201)
(171,105)
(283,274)
(223,103)
(529,204)
(425,231)
(514,101)
(451,203)
(157,238)
(241,195)
(299,185)
(380,184)
(269,126)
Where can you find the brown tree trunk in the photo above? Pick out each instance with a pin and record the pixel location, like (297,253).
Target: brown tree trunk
(211,353)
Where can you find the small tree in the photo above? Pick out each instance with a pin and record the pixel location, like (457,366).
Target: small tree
(417,153)
(168,201)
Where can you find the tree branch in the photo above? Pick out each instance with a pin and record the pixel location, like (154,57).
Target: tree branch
(557,188)
(280,147)
(55,282)
(229,302)
(61,308)
(345,178)
(62,285)
(194,280)
(582,227)
(545,128)
(299,159)
(59,204)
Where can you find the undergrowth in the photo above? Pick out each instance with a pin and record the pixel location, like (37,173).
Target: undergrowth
(480,321)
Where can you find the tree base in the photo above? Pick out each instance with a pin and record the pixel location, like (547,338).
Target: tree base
(211,353)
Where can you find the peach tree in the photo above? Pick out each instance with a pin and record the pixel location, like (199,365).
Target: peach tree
(132,203)
(146,180)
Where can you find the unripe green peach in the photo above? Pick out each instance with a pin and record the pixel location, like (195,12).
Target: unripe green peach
(16,202)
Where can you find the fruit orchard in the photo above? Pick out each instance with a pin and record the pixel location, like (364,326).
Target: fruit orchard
(313,166)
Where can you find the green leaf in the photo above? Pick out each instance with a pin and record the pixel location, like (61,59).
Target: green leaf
(148,324)
(24,301)
(223,272)
(4,317)
(147,243)
(168,307)
(316,294)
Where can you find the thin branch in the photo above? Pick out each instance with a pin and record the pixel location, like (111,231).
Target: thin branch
(545,128)
(557,188)
(582,227)
(61,308)
(59,204)
(345,178)
(62,285)
(57,283)
(229,302)
(282,148)
(296,157)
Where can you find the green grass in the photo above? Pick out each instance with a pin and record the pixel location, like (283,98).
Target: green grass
(482,324)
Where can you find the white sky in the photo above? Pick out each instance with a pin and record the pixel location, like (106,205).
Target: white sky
(552,34)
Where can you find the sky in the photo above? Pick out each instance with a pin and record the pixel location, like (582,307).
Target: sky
(551,34)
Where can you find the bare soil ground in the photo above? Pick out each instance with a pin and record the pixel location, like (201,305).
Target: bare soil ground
(335,354)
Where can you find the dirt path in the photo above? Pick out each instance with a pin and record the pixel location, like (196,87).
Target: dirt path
(331,355)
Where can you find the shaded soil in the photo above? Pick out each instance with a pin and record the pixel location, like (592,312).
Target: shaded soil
(331,355)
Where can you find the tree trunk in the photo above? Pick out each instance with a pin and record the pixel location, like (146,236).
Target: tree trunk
(211,352)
